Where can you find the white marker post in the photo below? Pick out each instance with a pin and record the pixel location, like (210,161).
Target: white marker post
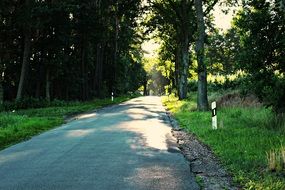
(112,97)
(214,115)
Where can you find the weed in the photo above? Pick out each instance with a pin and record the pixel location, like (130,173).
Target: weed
(199,181)
(273,161)
(276,160)
(283,157)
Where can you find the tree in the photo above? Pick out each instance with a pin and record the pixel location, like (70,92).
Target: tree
(72,49)
(202,100)
(1,81)
(179,21)
(27,47)
(174,19)
(167,65)
(222,51)
(261,26)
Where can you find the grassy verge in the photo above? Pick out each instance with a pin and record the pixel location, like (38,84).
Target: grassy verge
(242,142)
(23,124)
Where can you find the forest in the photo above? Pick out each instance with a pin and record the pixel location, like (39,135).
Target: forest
(73,53)
(78,50)
(69,50)
(195,54)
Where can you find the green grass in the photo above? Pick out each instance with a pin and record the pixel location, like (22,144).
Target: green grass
(23,124)
(244,137)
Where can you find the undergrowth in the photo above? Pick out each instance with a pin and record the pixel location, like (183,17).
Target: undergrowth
(245,137)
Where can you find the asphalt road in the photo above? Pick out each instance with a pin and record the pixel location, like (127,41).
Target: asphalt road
(127,146)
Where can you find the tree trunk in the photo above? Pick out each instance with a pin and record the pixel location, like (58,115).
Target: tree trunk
(1,80)
(181,67)
(116,48)
(145,87)
(1,92)
(177,66)
(48,84)
(183,70)
(38,89)
(182,54)
(99,69)
(26,54)
(202,99)
(25,61)
(83,67)
(40,78)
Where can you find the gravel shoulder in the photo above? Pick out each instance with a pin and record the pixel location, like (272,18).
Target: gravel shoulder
(209,173)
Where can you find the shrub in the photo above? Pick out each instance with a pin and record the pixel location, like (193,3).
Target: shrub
(26,103)
(269,89)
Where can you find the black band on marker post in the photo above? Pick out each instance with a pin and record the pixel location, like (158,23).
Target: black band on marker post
(214,112)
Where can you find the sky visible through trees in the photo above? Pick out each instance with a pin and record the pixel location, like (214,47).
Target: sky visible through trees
(70,56)
(222,20)
(78,50)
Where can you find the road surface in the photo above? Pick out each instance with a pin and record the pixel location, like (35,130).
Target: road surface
(127,146)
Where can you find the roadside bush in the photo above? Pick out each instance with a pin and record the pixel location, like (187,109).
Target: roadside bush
(27,103)
(238,83)
(7,120)
(269,89)
(266,86)
(58,103)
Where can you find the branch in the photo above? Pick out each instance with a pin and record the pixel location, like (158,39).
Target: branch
(210,7)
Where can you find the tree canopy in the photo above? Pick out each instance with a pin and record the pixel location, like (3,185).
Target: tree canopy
(78,50)
(69,49)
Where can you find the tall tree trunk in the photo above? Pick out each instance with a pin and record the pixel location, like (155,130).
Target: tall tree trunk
(183,53)
(25,62)
(48,84)
(39,80)
(38,89)
(99,68)
(1,87)
(116,47)
(177,66)
(202,99)
(40,75)
(1,93)
(26,54)
(1,80)
(84,49)
(183,70)
(145,86)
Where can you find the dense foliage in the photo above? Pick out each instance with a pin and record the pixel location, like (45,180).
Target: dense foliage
(181,25)
(174,23)
(261,26)
(69,49)
(254,46)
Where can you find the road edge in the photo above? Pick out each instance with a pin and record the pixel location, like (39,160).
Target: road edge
(209,173)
